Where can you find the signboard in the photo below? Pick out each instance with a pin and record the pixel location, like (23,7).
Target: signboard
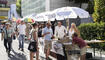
(12,12)
(3,1)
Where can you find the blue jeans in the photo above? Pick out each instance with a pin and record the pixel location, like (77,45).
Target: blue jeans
(21,41)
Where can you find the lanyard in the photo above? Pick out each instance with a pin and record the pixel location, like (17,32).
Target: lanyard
(6,33)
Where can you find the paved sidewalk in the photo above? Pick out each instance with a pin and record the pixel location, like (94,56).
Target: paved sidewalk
(19,55)
(16,54)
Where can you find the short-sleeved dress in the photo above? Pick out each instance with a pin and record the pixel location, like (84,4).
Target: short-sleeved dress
(33,44)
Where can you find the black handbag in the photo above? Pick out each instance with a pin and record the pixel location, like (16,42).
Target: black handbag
(32,46)
(73,52)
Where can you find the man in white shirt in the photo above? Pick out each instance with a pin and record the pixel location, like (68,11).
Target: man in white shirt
(60,30)
(22,32)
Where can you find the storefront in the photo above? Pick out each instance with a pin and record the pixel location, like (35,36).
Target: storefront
(4,13)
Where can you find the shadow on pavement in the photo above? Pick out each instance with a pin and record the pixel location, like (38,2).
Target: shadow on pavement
(27,41)
(97,58)
(17,56)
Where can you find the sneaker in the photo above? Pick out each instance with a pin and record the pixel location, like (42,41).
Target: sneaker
(48,58)
(7,50)
(22,50)
(18,48)
(34,57)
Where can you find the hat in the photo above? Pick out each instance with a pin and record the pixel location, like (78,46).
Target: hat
(7,23)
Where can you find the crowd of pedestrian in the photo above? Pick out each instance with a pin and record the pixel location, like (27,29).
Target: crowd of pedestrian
(33,32)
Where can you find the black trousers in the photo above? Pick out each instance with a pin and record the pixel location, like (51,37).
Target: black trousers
(60,57)
(7,44)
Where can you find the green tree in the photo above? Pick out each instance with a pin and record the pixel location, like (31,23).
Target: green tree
(90,7)
(81,1)
(99,11)
(18,5)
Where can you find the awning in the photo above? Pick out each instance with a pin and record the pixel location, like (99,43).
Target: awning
(3,17)
(4,9)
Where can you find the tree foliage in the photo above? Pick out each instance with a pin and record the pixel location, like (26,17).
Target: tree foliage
(90,7)
(81,1)
(99,11)
(18,5)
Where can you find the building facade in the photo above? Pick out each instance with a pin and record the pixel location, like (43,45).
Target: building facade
(32,6)
(5,7)
(38,6)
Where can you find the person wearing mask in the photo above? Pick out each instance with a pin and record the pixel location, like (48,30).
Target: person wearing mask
(60,31)
(21,29)
(33,46)
(7,34)
(47,33)
(81,44)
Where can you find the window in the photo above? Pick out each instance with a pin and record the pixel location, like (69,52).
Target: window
(2,5)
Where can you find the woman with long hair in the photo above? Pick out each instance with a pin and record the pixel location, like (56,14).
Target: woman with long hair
(73,30)
(33,46)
